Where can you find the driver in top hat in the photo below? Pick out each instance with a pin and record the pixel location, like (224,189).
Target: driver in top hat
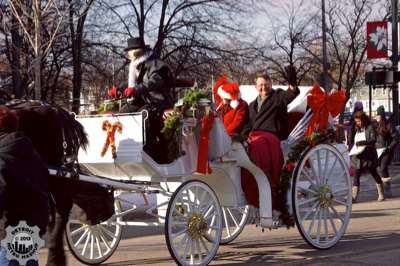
(149,88)
(149,79)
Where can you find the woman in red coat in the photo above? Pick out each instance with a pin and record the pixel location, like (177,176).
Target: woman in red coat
(233,109)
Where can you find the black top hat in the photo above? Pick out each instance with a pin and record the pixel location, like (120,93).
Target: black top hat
(136,43)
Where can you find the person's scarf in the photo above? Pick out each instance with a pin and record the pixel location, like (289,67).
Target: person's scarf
(133,71)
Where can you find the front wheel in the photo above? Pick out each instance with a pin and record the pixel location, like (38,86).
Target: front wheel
(234,221)
(94,244)
(321,196)
(193,224)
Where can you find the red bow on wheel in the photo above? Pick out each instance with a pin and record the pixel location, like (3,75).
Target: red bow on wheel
(323,104)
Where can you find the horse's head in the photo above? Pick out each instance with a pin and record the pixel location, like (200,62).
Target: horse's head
(53,131)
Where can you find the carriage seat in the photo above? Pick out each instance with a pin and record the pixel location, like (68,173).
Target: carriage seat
(293,119)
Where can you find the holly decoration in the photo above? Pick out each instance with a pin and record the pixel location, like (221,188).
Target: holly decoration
(193,97)
(172,132)
(173,124)
(111,106)
(287,172)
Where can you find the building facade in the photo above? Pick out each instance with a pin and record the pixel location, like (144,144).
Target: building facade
(380,96)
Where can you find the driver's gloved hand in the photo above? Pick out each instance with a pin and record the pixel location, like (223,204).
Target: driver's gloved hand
(129,92)
(113,93)
(291,75)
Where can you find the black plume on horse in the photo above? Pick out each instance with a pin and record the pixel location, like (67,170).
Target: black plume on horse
(57,136)
(53,130)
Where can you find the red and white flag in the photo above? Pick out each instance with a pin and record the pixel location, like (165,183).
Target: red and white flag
(377,39)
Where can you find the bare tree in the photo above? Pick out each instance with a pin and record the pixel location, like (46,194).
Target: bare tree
(49,13)
(346,24)
(292,27)
(185,33)
(78,11)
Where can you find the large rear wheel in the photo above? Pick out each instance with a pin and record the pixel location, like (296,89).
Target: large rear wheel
(321,196)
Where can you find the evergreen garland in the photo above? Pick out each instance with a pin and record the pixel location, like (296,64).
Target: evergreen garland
(172,129)
(288,170)
(172,133)
(111,106)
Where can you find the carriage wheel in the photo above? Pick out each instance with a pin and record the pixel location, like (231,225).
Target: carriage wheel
(234,220)
(94,244)
(193,225)
(321,196)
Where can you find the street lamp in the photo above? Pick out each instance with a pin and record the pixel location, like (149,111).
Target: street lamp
(325,82)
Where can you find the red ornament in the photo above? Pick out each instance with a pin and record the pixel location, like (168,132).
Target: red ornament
(129,92)
(110,138)
(289,167)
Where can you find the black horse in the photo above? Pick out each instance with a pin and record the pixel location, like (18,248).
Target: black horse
(57,136)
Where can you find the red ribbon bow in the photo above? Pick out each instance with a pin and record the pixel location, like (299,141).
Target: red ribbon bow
(322,105)
(202,157)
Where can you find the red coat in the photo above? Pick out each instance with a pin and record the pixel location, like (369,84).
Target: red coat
(235,119)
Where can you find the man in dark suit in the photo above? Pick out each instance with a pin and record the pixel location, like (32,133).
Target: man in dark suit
(266,126)
(269,111)
(149,88)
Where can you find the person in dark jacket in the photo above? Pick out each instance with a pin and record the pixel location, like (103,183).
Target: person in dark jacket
(387,139)
(149,88)
(268,112)
(266,126)
(363,154)
(24,190)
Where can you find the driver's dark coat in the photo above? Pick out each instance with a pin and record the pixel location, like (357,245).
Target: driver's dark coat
(154,84)
(24,191)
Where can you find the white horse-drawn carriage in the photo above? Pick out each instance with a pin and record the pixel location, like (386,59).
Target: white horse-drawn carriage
(206,210)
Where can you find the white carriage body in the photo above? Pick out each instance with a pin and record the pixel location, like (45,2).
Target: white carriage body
(132,163)
(222,184)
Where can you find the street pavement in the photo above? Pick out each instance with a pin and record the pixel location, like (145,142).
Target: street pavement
(372,238)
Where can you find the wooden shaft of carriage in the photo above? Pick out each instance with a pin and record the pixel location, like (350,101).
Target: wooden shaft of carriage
(105,181)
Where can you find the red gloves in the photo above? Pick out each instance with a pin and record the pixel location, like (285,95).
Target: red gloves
(129,92)
(113,92)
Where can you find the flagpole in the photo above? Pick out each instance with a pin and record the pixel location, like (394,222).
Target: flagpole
(325,80)
(395,61)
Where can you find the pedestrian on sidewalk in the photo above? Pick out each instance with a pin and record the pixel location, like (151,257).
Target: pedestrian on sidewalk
(358,106)
(24,191)
(387,139)
(363,154)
